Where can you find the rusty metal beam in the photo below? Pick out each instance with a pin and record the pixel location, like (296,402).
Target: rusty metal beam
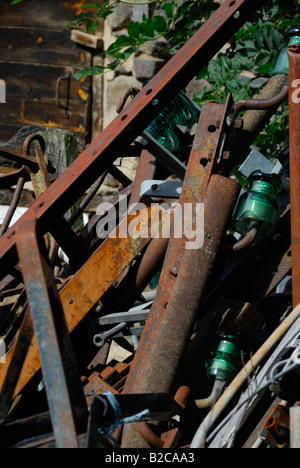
(48,323)
(294,136)
(185,272)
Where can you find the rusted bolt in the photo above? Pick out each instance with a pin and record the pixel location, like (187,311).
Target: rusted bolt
(226,155)
(174,271)
(238,123)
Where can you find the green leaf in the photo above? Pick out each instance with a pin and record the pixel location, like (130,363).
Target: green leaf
(202,74)
(92,71)
(133,28)
(264,69)
(121,42)
(92,5)
(15,1)
(160,24)
(169,10)
(113,65)
(92,25)
(128,52)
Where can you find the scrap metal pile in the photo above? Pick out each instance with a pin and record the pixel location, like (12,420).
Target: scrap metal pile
(212,352)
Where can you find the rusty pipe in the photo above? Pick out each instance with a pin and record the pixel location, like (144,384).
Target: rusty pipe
(294,137)
(254,121)
(130,92)
(163,341)
(261,104)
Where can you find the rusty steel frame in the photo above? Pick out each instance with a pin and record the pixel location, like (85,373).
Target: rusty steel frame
(48,323)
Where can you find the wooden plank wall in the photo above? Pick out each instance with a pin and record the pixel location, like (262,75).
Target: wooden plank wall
(35,51)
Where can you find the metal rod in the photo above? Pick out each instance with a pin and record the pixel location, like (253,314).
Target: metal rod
(13,206)
(46,336)
(294,135)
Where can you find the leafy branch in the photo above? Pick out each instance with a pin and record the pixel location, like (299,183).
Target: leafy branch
(138,33)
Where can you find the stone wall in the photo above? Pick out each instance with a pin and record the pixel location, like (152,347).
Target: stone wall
(134,72)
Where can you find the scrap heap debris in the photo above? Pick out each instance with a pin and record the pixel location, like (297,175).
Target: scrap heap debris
(212,350)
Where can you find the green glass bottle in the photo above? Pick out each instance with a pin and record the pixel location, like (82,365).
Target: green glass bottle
(225,361)
(281,64)
(258,206)
(181,111)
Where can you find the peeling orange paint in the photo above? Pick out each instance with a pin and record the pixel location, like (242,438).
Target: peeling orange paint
(75,6)
(83,94)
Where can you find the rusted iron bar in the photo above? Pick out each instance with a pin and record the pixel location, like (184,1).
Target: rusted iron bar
(294,136)
(166,331)
(88,233)
(145,170)
(18,158)
(261,104)
(40,178)
(13,206)
(134,119)
(159,351)
(87,199)
(48,323)
(13,373)
(130,92)
(254,121)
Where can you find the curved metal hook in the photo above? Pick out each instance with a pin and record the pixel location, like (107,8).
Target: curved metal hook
(30,139)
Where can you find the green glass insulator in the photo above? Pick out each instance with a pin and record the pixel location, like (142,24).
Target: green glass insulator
(225,361)
(281,64)
(180,111)
(258,206)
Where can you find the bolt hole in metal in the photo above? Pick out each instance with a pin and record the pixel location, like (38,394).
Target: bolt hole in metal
(204,162)
(212,128)
(155,187)
(124,117)
(237,14)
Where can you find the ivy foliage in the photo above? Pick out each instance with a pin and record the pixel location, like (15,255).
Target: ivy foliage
(174,20)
